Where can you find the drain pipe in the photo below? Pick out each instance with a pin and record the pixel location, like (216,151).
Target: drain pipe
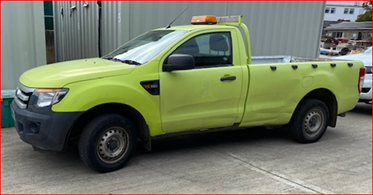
(63,34)
(99,28)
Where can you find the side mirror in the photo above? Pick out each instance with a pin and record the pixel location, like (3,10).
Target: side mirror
(179,62)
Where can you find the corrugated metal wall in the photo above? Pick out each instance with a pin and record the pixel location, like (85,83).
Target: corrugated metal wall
(276,28)
(22,39)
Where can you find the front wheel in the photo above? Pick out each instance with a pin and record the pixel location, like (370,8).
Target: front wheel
(107,143)
(309,121)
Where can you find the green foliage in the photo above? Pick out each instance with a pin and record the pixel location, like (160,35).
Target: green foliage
(367,16)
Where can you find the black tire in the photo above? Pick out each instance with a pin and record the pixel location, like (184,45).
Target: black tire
(309,121)
(107,143)
(344,51)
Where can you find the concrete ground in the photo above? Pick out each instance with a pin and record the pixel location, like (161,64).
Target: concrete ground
(246,161)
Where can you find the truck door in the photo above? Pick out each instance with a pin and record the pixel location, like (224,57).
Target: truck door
(207,96)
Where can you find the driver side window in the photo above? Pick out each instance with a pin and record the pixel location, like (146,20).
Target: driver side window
(209,50)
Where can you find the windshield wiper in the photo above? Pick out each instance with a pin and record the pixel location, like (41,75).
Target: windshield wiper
(127,61)
(132,62)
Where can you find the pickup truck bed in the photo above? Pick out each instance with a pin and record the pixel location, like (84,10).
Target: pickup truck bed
(283,59)
(366,58)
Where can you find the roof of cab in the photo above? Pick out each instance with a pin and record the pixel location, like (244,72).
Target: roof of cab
(196,27)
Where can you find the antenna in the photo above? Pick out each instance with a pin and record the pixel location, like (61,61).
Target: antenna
(169,25)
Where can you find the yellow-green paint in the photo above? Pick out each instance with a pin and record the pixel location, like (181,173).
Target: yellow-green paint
(61,74)
(274,95)
(197,99)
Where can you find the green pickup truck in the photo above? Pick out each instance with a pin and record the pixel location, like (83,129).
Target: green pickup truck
(178,79)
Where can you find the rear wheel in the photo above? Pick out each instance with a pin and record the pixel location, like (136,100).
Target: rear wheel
(107,143)
(309,121)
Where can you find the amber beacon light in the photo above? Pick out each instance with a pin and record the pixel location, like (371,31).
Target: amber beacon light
(207,19)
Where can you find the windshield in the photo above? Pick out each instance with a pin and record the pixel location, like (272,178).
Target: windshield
(145,47)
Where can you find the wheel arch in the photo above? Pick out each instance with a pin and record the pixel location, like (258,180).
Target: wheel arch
(125,110)
(328,97)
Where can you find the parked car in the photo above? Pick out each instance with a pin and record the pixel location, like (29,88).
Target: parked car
(178,79)
(366,57)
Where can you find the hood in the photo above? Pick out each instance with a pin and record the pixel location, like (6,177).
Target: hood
(60,74)
(366,58)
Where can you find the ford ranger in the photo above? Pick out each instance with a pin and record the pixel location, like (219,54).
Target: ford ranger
(178,79)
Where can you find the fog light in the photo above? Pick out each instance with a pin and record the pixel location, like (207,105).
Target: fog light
(34,127)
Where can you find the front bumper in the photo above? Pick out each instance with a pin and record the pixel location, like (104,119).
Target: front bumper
(42,128)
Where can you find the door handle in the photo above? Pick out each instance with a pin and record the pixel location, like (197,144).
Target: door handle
(228,78)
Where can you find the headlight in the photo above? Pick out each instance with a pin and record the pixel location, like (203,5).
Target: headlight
(47,97)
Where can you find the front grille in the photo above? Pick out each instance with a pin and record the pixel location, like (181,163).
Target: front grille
(23,95)
(365,90)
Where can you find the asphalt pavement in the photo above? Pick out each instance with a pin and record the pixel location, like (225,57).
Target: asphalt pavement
(246,161)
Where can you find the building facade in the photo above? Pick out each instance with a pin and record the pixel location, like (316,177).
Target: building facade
(22,39)
(276,28)
(350,30)
(343,10)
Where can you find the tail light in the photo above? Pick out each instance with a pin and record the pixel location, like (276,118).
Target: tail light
(361,79)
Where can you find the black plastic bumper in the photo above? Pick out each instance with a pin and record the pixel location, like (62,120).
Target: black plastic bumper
(44,129)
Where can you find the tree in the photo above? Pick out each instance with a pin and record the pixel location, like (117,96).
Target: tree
(367,16)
